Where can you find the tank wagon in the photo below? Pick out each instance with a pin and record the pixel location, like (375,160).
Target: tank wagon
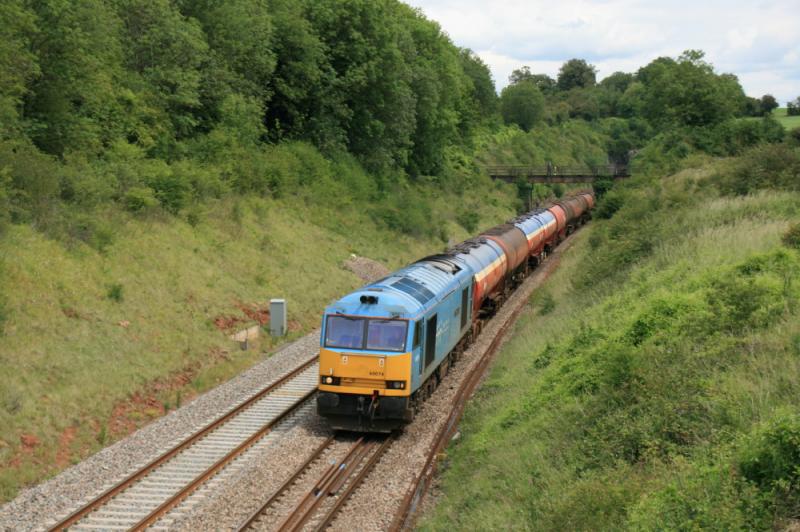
(385,347)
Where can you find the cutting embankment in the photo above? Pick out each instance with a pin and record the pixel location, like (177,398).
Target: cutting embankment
(109,317)
(654,381)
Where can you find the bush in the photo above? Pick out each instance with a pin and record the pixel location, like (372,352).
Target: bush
(792,237)
(171,188)
(771,458)
(5,199)
(139,199)
(547,303)
(469,220)
(771,166)
(114,292)
(609,204)
(32,180)
(89,229)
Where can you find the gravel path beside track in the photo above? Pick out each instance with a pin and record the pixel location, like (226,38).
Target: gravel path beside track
(39,506)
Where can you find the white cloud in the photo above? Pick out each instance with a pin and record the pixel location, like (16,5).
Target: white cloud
(758,41)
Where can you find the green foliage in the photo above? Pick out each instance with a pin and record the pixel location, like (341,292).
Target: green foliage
(793,107)
(687,92)
(768,103)
(576,73)
(546,303)
(469,220)
(771,166)
(5,199)
(87,228)
(18,65)
(114,293)
(139,199)
(661,392)
(791,238)
(522,104)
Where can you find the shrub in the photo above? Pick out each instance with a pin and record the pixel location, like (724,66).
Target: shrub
(710,497)
(90,230)
(792,237)
(609,204)
(139,199)
(114,292)
(32,180)
(547,303)
(469,220)
(753,294)
(5,199)
(771,458)
(771,166)
(171,188)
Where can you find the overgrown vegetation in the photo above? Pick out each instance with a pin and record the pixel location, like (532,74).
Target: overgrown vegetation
(661,392)
(169,162)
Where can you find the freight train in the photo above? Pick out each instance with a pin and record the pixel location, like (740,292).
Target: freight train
(385,347)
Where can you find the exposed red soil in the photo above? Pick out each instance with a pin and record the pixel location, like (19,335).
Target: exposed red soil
(126,416)
(228,323)
(65,446)
(251,312)
(29,441)
(255,313)
(146,404)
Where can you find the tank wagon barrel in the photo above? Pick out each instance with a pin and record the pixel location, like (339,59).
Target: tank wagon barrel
(385,347)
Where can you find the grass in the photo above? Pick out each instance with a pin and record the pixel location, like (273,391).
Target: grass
(107,315)
(88,330)
(788,122)
(660,390)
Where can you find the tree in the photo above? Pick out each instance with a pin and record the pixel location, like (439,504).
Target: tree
(687,92)
(165,50)
(18,65)
(576,73)
(752,106)
(522,104)
(482,92)
(79,102)
(545,83)
(618,81)
(793,107)
(768,103)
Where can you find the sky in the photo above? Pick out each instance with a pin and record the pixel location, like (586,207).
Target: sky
(759,41)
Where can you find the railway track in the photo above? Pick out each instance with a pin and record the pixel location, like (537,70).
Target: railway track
(405,515)
(166,489)
(160,492)
(313,496)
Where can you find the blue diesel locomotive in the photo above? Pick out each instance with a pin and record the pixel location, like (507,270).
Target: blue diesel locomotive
(385,347)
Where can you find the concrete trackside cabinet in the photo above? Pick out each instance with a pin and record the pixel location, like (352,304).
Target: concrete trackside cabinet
(277,317)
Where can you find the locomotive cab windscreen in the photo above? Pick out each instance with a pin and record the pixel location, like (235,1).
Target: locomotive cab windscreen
(374,334)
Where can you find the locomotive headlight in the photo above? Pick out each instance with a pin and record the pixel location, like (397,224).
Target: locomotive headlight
(397,385)
(328,380)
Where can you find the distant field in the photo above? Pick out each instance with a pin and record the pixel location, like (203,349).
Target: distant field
(788,122)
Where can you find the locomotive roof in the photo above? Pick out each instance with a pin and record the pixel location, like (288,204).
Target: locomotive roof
(403,294)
